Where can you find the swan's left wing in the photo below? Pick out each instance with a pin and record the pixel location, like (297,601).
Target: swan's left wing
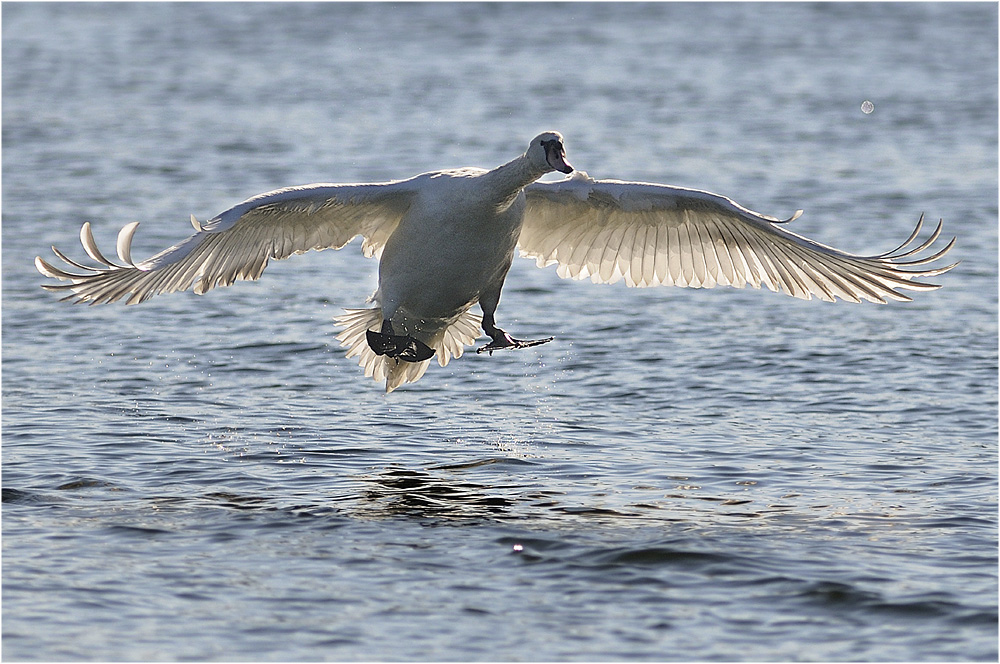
(238,243)
(651,234)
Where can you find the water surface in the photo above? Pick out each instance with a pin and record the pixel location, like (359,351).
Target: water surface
(681,475)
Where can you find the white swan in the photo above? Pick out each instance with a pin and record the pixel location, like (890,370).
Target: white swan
(446,240)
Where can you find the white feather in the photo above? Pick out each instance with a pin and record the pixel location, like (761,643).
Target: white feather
(125,242)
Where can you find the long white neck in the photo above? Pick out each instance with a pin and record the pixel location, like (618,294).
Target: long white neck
(509,179)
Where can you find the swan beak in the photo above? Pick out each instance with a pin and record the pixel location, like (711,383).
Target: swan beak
(555,155)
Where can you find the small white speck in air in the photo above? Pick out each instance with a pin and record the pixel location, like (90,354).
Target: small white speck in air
(867,107)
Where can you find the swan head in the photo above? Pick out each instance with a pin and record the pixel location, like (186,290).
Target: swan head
(546,153)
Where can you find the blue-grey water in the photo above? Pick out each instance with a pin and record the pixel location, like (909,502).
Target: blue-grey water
(681,475)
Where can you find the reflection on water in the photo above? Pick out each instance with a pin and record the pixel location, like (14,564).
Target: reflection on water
(423,494)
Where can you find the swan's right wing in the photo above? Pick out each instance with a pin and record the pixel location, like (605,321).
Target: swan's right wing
(238,243)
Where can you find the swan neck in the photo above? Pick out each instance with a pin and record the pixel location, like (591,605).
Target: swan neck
(510,178)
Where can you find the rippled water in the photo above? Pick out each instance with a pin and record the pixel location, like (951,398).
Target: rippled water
(681,475)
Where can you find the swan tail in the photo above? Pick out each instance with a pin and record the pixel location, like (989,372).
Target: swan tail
(447,343)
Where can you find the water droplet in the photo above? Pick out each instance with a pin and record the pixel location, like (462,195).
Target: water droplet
(867,107)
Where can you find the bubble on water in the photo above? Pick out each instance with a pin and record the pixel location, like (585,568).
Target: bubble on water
(867,107)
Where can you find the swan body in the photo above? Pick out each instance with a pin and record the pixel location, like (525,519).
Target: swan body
(446,240)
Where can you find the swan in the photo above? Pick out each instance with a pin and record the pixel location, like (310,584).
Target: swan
(446,239)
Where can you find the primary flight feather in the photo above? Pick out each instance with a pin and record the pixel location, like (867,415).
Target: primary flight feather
(446,239)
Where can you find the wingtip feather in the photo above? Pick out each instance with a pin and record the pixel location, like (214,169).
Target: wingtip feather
(125,243)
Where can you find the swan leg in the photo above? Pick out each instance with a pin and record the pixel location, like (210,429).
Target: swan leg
(398,347)
(500,340)
(504,341)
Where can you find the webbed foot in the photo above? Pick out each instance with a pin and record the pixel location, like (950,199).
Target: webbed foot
(504,341)
(397,346)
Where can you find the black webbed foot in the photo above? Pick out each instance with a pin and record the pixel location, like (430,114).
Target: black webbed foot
(398,347)
(503,341)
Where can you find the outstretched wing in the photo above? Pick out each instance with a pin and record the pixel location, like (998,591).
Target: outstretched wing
(238,243)
(651,234)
